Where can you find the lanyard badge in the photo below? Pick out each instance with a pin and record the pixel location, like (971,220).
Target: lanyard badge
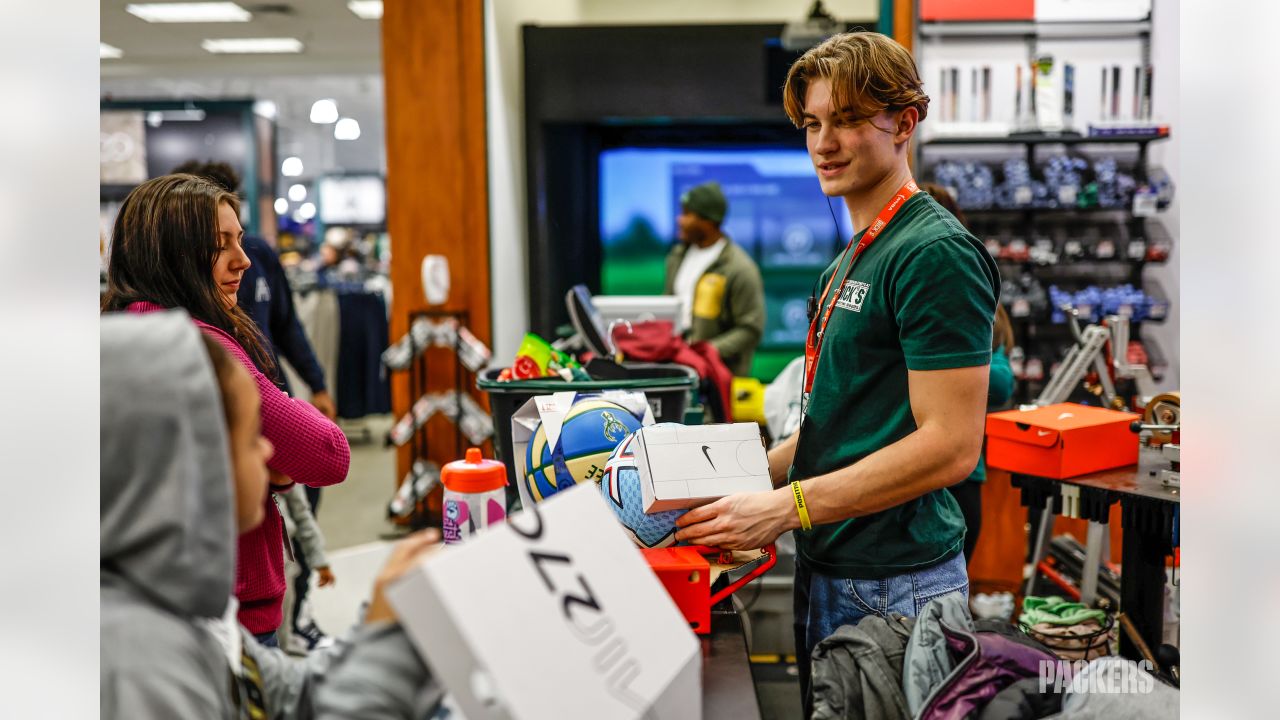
(821,309)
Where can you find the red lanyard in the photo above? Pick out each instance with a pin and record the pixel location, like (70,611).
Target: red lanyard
(813,345)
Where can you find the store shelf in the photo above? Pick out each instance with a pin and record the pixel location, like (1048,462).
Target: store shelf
(1063,210)
(1048,139)
(1045,30)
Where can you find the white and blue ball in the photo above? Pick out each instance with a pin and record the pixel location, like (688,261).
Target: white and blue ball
(620,486)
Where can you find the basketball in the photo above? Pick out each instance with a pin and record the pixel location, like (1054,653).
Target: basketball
(592,428)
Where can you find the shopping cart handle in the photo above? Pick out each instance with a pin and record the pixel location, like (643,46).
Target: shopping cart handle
(725,557)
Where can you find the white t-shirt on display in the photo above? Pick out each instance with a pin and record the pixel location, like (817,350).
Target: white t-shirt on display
(695,263)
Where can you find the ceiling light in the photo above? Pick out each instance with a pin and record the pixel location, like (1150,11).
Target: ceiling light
(264,108)
(347,129)
(189,12)
(252,46)
(366,9)
(106,51)
(324,111)
(291,167)
(282,206)
(307,211)
(297,192)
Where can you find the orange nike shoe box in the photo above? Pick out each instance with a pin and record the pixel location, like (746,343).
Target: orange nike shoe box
(1061,441)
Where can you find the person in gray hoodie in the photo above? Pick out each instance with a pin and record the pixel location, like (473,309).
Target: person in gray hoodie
(182,472)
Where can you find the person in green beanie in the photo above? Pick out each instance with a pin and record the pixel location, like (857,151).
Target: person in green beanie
(717,282)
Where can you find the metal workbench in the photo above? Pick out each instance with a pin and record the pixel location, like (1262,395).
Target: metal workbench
(1148,509)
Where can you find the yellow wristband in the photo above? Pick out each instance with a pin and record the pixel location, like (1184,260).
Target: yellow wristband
(801,509)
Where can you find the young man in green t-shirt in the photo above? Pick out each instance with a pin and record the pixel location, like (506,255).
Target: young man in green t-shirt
(896,365)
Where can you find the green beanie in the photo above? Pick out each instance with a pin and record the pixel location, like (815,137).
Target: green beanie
(706,200)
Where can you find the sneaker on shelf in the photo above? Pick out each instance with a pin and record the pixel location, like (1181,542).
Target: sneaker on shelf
(307,638)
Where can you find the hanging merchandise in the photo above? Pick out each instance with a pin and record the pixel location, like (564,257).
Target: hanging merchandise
(435,279)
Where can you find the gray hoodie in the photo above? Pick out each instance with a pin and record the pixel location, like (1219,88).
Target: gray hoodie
(169,645)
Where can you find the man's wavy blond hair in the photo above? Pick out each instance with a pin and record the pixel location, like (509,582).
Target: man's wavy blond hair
(868,72)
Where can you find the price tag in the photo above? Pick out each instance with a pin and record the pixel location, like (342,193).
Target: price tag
(1067,194)
(1105,250)
(1125,310)
(1022,195)
(1021,307)
(1137,249)
(1073,248)
(1145,204)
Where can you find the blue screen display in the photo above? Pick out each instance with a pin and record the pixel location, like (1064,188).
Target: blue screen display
(776,210)
(777,213)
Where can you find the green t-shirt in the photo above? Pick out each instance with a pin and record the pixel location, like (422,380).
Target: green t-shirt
(921,297)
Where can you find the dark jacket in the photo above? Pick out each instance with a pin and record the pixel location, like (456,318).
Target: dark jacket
(728,305)
(266,297)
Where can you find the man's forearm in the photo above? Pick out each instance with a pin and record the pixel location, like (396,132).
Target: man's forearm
(926,460)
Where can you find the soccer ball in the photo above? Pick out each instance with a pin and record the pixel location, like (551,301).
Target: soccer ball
(620,487)
(591,430)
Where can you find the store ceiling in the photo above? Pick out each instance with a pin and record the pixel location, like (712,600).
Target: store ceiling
(341,60)
(334,40)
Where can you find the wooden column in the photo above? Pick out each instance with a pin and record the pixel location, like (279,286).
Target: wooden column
(904,23)
(437,195)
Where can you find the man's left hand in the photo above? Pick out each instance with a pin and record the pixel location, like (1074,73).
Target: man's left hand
(745,521)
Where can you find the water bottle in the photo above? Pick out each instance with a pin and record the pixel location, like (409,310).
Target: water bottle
(474,495)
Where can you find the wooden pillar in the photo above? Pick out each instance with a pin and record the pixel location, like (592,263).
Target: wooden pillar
(437,195)
(904,23)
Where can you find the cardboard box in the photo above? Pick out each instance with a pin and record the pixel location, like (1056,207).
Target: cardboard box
(549,410)
(553,614)
(1061,441)
(683,466)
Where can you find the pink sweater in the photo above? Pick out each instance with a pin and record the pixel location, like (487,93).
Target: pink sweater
(309,449)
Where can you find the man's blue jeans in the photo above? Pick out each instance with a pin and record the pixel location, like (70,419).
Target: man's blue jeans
(823,603)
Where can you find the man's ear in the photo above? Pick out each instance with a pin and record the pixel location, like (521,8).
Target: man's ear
(906,125)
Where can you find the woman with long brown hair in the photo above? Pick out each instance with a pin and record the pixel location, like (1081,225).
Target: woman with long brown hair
(176,244)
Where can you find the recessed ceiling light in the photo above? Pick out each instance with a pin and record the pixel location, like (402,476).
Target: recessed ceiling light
(282,206)
(252,46)
(347,129)
(291,167)
(366,9)
(324,111)
(264,108)
(307,211)
(297,192)
(189,12)
(109,51)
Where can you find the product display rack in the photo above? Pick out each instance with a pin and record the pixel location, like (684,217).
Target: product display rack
(1036,333)
(1051,229)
